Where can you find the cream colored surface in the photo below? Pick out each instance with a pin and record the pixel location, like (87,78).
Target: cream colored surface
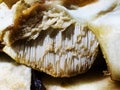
(107,29)
(92,11)
(12,75)
(6,16)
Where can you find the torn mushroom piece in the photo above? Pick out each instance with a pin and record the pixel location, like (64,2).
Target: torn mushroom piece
(53,42)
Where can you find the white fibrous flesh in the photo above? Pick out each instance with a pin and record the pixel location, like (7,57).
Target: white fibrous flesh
(52,41)
(58,53)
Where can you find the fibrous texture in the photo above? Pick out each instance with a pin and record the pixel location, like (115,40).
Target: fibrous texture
(49,39)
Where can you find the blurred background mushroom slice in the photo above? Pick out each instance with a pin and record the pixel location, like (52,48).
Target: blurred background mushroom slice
(12,75)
